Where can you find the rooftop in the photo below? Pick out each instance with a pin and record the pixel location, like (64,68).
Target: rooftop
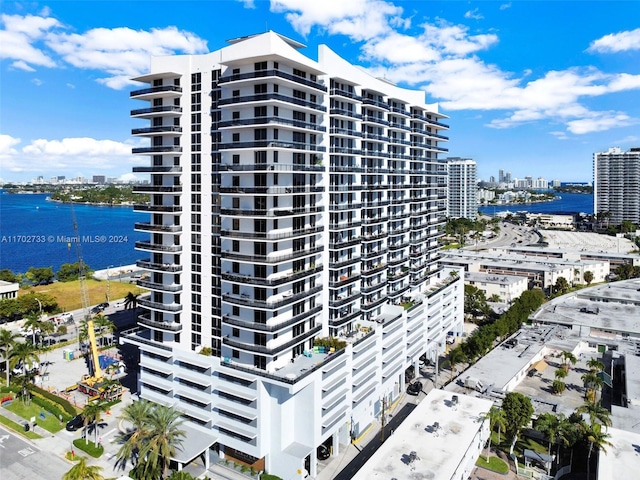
(431,442)
(621,458)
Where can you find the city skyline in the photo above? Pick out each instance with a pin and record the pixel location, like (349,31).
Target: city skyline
(514,98)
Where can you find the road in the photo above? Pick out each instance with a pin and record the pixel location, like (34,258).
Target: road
(510,235)
(21,459)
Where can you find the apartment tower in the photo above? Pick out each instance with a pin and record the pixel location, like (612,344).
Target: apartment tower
(462,175)
(293,249)
(616,185)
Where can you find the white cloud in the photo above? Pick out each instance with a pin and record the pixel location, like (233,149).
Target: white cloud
(560,135)
(443,59)
(617,42)
(36,81)
(473,14)
(66,156)
(120,53)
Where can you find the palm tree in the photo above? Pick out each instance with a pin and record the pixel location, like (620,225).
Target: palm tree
(496,418)
(455,357)
(83,471)
(561,373)
(551,427)
(32,323)
(130,301)
(595,365)
(163,439)
(596,412)
(7,343)
(568,359)
(592,383)
(23,354)
(92,415)
(137,414)
(598,439)
(46,329)
(103,325)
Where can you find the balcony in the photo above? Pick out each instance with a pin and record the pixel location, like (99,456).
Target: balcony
(271,144)
(429,120)
(158,169)
(271,350)
(345,113)
(247,301)
(156,111)
(272,212)
(154,247)
(168,129)
(157,189)
(271,73)
(344,280)
(265,97)
(154,91)
(344,93)
(159,267)
(271,259)
(272,236)
(378,120)
(276,167)
(157,208)
(145,320)
(161,307)
(272,327)
(160,287)
(156,149)
(149,227)
(270,120)
(345,298)
(341,263)
(343,319)
(376,103)
(251,280)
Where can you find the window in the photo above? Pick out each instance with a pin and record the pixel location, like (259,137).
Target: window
(275,111)
(236,93)
(299,94)
(260,66)
(299,73)
(236,245)
(260,134)
(236,137)
(260,339)
(236,159)
(275,65)
(235,353)
(236,71)
(260,111)
(260,88)
(236,311)
(236,224)
(235,202)
(235,115)
(235,332)
(260,362)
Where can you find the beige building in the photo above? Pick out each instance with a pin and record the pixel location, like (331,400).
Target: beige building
(549,220)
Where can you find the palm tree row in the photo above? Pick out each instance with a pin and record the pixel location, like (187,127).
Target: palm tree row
(153,440)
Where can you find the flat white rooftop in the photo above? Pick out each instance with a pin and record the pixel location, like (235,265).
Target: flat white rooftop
(622,458)
(438,452)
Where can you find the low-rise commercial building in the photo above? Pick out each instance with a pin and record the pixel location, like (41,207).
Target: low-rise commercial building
(507,287)
(8,290)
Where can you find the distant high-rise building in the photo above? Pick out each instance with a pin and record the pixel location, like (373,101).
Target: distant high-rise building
(99,179)
(616,185)
(492,179)
(500,176)
(507,177)
(296,208)
(462,175)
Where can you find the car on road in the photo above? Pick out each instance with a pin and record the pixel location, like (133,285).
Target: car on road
(76,423)
(414,388)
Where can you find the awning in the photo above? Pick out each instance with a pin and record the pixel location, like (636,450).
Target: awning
(196,441)
(542,458)
(540,366)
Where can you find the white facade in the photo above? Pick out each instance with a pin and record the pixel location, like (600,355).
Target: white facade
(616,185)
(8,290)
(462,177)
(291,200)
(507,287)
(552,220)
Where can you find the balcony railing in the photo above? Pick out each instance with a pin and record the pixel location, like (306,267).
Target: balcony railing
(145,320)
(162,267)
(272,73)
(271,144)
(272,236)
(157,208)
(251,280)
(158,169)
(270,120)
(174,287)
(149,227)
(265,97)
(273,350)
(157,189)
(263,327)
(158,89)
(345,93)
(273,258)
(164,307)
(154,247)
(155,130)
(251,302)
(153,110)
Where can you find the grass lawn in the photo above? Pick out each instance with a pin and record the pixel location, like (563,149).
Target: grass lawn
(528,443)
(68,293)
(494,464)
(88,447)
(18,428)
(50,423)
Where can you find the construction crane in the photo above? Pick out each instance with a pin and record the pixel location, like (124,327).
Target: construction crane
(90,384)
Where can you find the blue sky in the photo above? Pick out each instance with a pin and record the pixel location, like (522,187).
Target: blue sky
(531,87)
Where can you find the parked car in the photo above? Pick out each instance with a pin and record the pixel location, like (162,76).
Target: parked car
(76,423)
(414,388)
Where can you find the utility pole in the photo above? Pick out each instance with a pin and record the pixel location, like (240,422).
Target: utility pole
(384,407)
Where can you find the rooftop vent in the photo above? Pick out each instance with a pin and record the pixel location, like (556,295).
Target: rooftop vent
(454,400)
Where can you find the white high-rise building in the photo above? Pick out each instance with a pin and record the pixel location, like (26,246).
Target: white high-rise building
(462,175)
(293,248)
(616,185)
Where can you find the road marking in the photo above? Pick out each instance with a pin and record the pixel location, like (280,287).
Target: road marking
(2,439)
(26,452)
(109,432)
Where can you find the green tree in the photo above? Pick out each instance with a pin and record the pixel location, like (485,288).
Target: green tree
(32,322)
(595,365)
(103,326)
(558,386)
(495,298)
(568,359)
(596,412)
(561,287)
(161,443)
(92,414)
(588,277)
(137,415)
(517,411)
(69,272)
(7,343)
(456,356)
(561,373)
(180,475)
(592,383)
(40,276)
(9,308)
(496,419)
(475,302)
(83,471)
(597,441)
(23,354)
(7,275)
(551,427)
(130,301)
